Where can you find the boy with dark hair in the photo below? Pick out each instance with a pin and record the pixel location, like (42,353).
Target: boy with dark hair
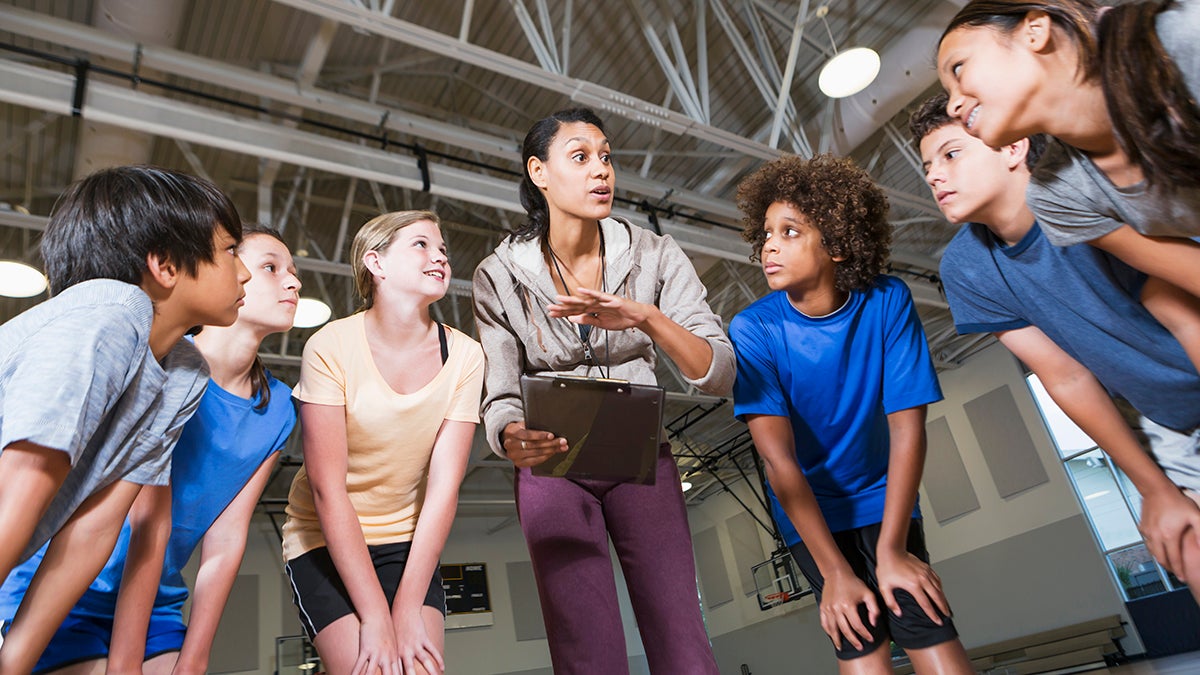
(1088,325)
(834,375)
(97,382)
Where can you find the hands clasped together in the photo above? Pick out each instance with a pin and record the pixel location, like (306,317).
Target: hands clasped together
(395,645)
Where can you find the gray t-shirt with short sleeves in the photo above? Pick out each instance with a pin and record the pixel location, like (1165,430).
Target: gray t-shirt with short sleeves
(1075,202)
(77,375)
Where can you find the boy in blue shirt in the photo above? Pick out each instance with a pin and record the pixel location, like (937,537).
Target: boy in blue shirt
(834,375)
(1088,325)
(97,382)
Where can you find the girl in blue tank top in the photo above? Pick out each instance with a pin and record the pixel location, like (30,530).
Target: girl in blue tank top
(133,619)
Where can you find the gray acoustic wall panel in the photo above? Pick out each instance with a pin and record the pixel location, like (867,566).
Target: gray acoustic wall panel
(235,646)
(948,488)
(1005,441)
(526,609)
(710,564)
(747,548)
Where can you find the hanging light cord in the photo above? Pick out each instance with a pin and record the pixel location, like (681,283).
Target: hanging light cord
(822,11)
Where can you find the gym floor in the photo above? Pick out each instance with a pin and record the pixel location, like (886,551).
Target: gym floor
(1179,664)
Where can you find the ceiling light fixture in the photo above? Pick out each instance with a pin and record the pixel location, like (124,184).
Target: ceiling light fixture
(686,485)
(848,72)
(311,312)
(18,280)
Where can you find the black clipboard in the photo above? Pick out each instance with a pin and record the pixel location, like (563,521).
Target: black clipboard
(612,426)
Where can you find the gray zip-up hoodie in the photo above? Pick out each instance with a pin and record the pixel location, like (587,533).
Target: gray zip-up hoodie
(512,288)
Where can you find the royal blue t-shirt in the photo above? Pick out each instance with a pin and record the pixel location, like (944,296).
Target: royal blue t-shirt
(1083,299)
(220,448)
(836,378)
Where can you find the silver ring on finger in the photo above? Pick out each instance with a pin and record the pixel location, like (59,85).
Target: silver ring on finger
(523,446)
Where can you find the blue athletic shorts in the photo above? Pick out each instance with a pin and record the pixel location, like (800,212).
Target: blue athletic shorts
(85,638)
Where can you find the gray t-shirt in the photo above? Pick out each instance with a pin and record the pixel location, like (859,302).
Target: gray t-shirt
(1075,202)
(77,375)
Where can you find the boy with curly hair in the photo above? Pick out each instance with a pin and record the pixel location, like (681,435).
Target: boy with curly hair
(834,375)
(1088,325)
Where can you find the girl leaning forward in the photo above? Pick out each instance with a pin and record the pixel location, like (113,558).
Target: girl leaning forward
(389,400)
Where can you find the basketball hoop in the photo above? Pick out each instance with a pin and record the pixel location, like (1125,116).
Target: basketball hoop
(777,581)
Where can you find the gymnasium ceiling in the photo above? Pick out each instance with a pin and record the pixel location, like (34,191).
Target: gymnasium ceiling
(319,114)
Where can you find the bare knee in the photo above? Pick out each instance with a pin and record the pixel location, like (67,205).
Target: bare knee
(947,658)
(878,662)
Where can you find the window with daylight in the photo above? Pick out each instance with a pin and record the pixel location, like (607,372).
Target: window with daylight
(1110,501)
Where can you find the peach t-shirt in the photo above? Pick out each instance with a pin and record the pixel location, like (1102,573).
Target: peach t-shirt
(390,436)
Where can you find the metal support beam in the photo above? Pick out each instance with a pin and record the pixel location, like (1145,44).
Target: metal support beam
(541,49)
(289,92)
(766,88)
(905,149)
(193,159)
(282,90)
(671,68)
(310,66)
(344,222)
(548,32)
(464,28)
(568,16)
(52,91)
(790,70)
(580,91)
(777,15)
(685,71)
(702,58)
(748,295)
(766,51)
(923,204)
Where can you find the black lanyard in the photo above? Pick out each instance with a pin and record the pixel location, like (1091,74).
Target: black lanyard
(585,330)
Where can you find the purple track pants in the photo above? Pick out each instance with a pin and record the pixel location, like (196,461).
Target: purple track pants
(567,524)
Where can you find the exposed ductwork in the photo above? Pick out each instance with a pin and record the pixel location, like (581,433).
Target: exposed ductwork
(154,22)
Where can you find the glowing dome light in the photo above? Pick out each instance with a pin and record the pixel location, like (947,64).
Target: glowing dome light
(686,485)
(849,72)
(311,312)
(18,280)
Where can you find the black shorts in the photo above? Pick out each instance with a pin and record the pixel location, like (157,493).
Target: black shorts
(321,597)
(913,629)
